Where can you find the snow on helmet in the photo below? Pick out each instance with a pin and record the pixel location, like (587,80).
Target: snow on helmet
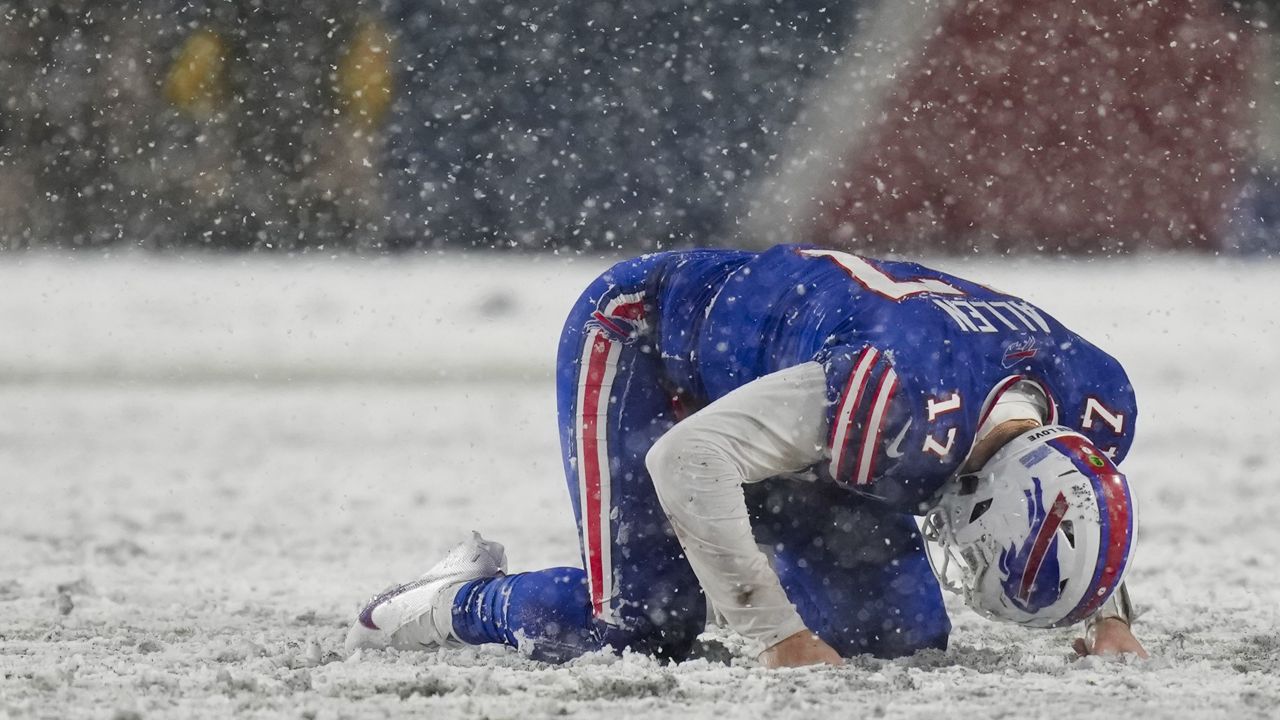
(1040,536)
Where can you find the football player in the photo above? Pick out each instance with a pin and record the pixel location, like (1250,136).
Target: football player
(814,443)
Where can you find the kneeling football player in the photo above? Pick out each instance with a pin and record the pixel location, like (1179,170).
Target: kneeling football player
(810,441)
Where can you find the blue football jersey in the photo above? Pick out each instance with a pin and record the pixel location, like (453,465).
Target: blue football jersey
(915,358)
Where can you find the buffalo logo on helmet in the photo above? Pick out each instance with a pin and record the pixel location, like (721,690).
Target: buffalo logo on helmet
(1031,573)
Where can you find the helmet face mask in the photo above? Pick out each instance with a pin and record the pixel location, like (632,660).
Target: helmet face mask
(959,567)
(1039,536)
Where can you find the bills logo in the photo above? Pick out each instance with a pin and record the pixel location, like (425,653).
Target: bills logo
(1019,352)
(1031,575)
(622,329)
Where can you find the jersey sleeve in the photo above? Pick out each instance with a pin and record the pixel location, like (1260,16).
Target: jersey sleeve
(861,385)
(888,437)
(1090,392)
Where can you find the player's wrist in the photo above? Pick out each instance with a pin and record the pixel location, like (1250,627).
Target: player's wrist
(800,649)
(783,630)
(1117,608)
(792,638)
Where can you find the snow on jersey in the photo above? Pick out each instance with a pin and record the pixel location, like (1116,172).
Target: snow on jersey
(914,358)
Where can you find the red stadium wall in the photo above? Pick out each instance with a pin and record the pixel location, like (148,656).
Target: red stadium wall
(1050,125)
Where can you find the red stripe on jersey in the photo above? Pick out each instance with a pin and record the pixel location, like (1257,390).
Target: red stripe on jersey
(993,397)
(614,327)
(875,419)
(841,425)
(630,310)
(1053,403)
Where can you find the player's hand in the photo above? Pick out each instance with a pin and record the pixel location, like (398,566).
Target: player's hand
(1110,636)
(803,648)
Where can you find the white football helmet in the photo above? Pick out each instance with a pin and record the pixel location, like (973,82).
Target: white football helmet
(1040,536)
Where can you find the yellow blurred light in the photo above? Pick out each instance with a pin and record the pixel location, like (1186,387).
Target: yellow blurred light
(365,76)
(196,82)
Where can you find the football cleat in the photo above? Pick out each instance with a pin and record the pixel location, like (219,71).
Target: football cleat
(419,615)
(1040,536)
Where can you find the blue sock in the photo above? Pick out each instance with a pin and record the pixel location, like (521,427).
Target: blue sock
(544,614)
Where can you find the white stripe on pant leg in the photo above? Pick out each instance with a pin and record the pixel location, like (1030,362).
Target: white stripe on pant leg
(606,485)
(584,371)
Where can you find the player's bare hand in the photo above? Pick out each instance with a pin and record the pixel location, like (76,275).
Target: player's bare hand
(803,648)
(1110,637)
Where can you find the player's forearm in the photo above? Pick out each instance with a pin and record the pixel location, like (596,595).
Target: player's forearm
(772,425)
(702,495)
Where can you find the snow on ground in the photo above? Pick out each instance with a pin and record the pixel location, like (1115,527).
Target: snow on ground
(207,464)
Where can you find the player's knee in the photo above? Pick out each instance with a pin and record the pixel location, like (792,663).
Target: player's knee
(660,460)
(674,452)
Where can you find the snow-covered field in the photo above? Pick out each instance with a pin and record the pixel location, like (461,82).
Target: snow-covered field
(207,464)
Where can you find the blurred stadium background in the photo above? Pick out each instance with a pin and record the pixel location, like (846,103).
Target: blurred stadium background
(912,126)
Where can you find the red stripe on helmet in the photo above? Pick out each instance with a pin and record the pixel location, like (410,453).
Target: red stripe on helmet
(1114,555)
(1115,507)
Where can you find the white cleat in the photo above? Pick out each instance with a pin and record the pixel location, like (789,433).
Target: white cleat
(418,615)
